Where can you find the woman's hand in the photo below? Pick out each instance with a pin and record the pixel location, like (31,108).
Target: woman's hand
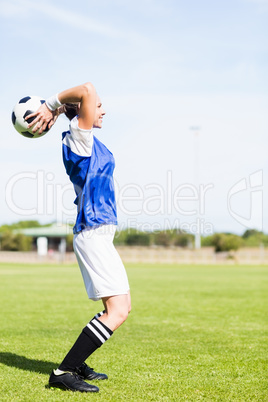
(44,118)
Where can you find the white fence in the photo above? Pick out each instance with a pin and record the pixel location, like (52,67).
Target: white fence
(153,255)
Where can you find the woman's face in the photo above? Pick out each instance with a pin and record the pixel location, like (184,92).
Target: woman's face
(99,114)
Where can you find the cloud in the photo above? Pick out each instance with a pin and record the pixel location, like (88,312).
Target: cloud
(143,7)
(9,9)
(62,15)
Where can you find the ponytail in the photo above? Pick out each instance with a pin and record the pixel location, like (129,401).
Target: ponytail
(70,110)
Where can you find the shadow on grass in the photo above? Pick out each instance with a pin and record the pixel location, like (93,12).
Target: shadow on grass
(23,363)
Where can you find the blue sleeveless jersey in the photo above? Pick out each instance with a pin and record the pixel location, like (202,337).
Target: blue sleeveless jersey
(90,166)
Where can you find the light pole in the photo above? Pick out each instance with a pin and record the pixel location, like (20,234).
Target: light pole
(196,130)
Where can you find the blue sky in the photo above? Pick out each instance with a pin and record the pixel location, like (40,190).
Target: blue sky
(160,67)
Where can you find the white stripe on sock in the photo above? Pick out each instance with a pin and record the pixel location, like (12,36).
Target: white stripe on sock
(101,328)
(99,314)
(96,333)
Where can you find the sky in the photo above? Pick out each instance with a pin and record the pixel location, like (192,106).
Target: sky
(185,90)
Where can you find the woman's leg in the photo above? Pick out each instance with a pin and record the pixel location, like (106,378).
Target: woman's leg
(116,312)
(97,331)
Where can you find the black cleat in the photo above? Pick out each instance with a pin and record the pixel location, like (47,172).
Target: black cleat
(88,373)
(70,381)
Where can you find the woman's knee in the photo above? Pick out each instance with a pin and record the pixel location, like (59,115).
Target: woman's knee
(129,302)
(117,310)
(129,308)
(122,314)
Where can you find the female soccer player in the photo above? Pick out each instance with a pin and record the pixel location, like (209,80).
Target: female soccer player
(90,166)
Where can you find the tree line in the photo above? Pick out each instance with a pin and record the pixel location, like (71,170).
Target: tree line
(11,240)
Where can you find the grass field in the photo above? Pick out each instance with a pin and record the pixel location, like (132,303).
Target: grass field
(195,333)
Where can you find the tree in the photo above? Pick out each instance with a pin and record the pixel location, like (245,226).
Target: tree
(226,242)
(254,238)
(183,240)
(251,232)
(15,242)
(121,235)
(207,241)
(20,225)
(138,239)
(162,239)
(69,242)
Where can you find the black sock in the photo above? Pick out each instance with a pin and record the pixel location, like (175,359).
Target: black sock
(99,314)
(90,339)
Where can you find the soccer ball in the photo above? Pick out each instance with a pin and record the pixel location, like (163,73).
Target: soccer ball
(23,108)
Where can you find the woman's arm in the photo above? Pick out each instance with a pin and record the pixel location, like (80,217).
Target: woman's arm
(84,94)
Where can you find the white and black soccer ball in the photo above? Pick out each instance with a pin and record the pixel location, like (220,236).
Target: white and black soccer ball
(22,109)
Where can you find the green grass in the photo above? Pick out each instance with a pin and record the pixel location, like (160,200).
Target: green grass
(195,333)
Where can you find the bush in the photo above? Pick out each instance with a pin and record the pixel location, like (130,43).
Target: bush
(183,240)
(138,239)
(165,238)
(207,241)
(162,239)
(251,232)
(69,242)
(120,237)
(20,225)
(255,238)
(15,242)
(226,242)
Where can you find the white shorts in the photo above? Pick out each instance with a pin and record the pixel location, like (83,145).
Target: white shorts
(101,266)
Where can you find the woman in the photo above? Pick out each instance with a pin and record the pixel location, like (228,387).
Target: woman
(90,166)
